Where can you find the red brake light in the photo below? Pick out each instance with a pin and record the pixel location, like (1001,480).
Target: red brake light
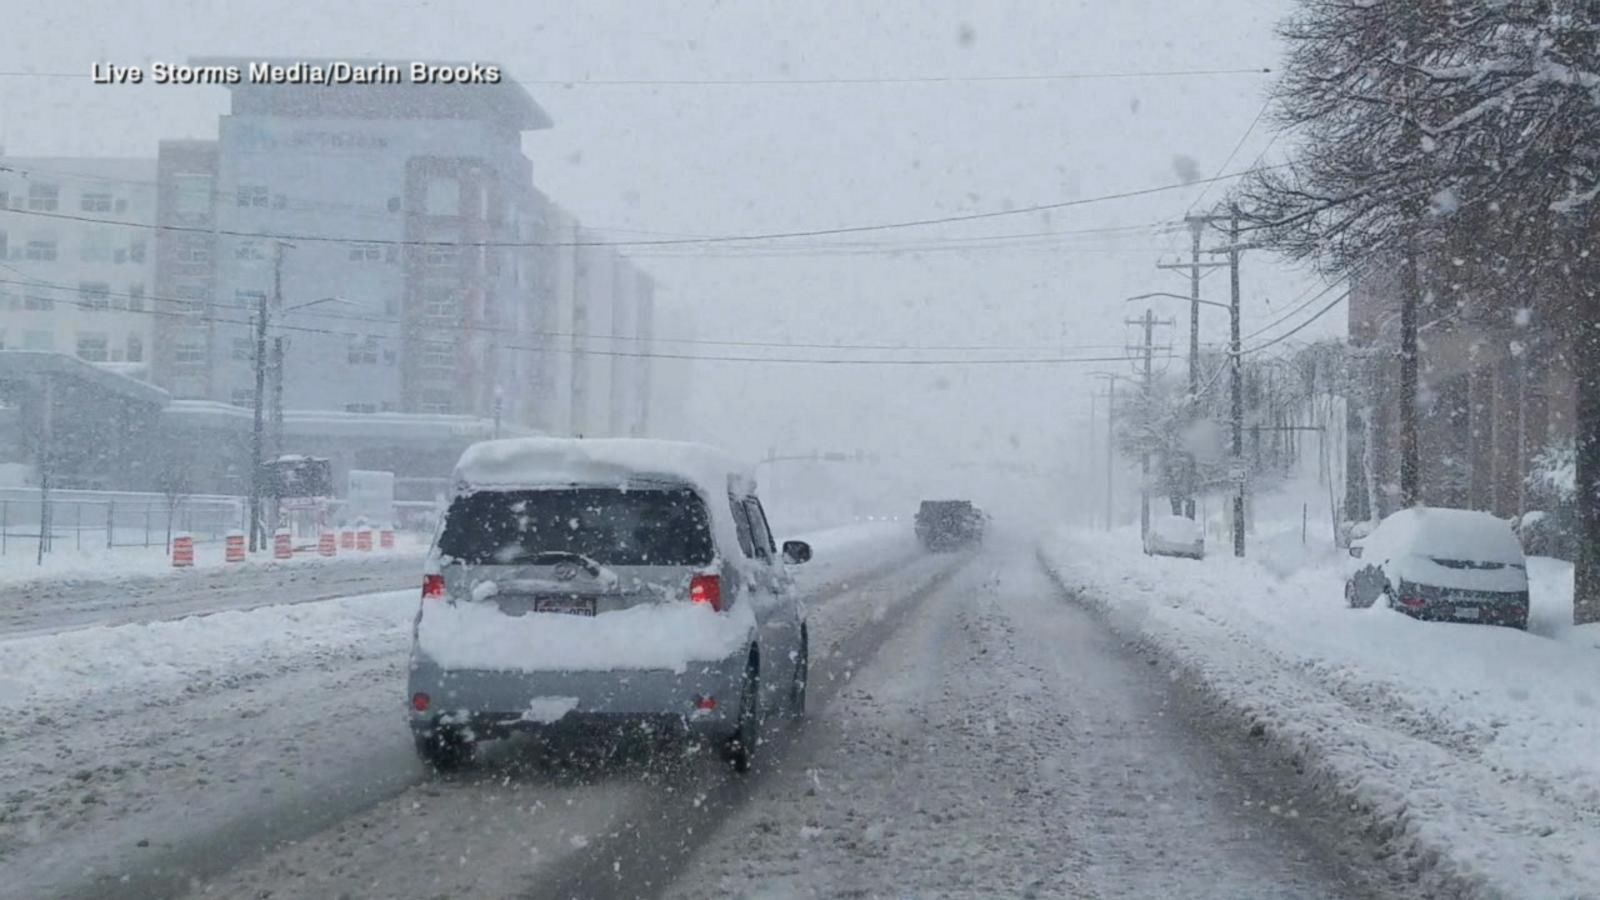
(420,702)
(432,587)
(706,589)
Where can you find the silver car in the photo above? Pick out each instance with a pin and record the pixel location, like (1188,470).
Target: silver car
(580,582)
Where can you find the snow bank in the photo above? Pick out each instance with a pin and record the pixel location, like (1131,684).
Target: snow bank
(75,672)
(650,636)
(1471,748)
(20,561)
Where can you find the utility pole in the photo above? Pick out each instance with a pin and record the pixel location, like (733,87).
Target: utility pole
(1234,363)
(1089,464)
(1197,225)
(277,425)
(257,435)
(1111,444)
(1148,322)
(1111,455)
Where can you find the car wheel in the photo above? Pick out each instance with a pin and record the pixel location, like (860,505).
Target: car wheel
(741,748)
(1350,599)
(443,747)
(802,672)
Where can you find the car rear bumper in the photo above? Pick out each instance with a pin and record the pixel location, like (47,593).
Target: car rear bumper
(1490,612)
(496,702)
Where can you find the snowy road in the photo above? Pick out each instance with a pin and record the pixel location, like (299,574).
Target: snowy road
(56,604)
(973,734)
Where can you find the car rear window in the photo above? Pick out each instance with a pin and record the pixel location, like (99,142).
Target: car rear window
(654,527)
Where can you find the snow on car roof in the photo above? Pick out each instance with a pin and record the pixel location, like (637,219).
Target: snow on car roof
(548,462)
(517,462)
(1176,528)
(1446,533)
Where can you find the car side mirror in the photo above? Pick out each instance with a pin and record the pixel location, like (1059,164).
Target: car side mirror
(796,552)
(1355,550)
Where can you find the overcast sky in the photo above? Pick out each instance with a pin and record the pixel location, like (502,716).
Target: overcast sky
(736,159)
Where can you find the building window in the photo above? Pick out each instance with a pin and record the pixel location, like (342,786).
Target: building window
(189,347)
(96,246)
(43,197)
(42,249)
(366,253)
(440,302)
(5,200)
(361,407)
(394,204)
(249,251)
(95,203)
(38,340)
(135,348)
(191,197)
(364,352)
(122,205)
(279,201)
(136,250)
(443,255)
(4,253)
(444,197)
(38,302)
(136,298)
(94,296)
(92,347)
(255,195)
(245,397)
(244,349)
(194,251)
(191,297)
(249,299)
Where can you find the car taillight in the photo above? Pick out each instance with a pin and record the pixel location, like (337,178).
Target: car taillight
(1413,601)
(432,587)
(706,589)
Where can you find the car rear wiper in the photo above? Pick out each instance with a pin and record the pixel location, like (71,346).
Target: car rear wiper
(556,557)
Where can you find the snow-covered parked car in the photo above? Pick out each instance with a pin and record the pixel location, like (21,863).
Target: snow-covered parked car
(1175,536)
(604,582)
(1445,564)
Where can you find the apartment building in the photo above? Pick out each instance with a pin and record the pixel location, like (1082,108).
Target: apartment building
(76,264)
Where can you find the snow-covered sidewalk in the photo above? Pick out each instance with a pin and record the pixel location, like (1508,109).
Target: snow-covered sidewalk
(1472,749)
(21,565)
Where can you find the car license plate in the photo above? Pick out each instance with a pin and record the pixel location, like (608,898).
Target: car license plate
(572,606)
(1466,612)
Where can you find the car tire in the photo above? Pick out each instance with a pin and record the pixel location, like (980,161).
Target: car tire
(741,747)
(444,748)
(802,672)
(1350,599)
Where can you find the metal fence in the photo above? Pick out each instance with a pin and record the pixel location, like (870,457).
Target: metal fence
(88,520)
(80,520)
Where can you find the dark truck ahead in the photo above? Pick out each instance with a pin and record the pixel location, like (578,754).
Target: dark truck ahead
(949,524)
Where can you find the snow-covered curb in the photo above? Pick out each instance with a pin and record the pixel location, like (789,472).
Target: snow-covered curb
(71,567)
(1467,751)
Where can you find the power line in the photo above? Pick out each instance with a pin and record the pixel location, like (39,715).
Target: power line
(1291,313)
(1267,104)
(783,82)
(464,328)
(731,238)
(1291,332)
